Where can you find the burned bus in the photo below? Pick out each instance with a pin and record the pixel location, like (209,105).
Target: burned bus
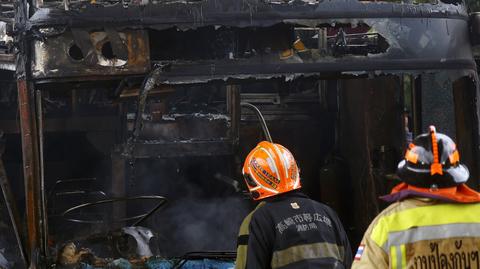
(125,122)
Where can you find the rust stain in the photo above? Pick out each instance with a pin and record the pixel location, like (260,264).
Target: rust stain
(137,49)
(131,52)
(28,164)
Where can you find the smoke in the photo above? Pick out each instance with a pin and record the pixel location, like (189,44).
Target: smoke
(204,211)
(200,225)
(205,207)
(9,252)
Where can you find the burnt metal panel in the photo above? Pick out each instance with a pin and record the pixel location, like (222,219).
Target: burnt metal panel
(235,13)
(204,72)
(430,43)
(190,148)
(81,38)
(60,56)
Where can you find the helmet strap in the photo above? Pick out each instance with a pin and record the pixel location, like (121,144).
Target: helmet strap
(436,167)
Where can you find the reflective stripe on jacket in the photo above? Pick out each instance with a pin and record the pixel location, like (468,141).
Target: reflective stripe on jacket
(422,233)
(292,231)
(242,240)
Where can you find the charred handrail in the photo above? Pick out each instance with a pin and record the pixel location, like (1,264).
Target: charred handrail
(142,217)
(261,119)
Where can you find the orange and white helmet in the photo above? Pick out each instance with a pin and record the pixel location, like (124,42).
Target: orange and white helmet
(269,170)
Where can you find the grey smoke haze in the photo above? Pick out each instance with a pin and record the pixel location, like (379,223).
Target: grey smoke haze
(204,210)
(9,253)
(200,225)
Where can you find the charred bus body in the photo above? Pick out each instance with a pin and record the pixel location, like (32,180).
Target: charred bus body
(109,107)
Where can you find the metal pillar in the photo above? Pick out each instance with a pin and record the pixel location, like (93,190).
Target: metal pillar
(42,190)
(233,107)
(29,136)
(31,169)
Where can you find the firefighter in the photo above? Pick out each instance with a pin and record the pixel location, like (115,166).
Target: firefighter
(287,229)
(434,221)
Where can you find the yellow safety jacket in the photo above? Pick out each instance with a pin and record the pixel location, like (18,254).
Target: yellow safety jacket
(422,233)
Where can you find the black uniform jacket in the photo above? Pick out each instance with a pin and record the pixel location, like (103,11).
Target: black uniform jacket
(292,231)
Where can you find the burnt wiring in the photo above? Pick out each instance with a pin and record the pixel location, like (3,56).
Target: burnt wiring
(257,112)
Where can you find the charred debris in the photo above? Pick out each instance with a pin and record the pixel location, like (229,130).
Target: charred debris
(111,108)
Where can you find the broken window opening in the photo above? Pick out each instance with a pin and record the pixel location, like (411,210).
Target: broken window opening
(281,42)
(213,43)
(341,41)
